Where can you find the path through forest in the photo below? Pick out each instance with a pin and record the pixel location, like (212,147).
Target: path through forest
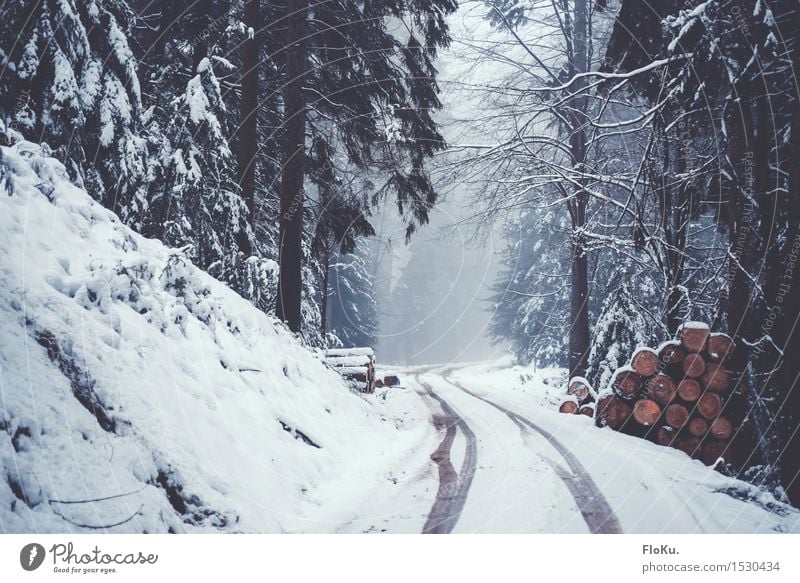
(507,448)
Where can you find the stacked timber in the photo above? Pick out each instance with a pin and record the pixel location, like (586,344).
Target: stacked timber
(355,365)
(679,395)
(579,399)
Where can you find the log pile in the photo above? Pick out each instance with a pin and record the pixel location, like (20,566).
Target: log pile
(580,398)
(681,395)
(355,365)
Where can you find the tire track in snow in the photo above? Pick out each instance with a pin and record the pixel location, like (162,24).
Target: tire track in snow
(595,509)
(453,486)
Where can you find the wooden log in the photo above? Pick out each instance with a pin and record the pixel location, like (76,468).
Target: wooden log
(676,415)
(698,427)
(716,377)
(570,407)
(587,409)
(671,353)
(611,411)
(690,446)
(694,365)
(714,449)
(580,388)
(666,435)
(709,405)
(693,336)
(646,412)
(626,384)
(645,362)
(720,347)
(721,428)
(689,390)
(661,389)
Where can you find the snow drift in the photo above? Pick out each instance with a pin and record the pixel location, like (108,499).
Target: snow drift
(141,395)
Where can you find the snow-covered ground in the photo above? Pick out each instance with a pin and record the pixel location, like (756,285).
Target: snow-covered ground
(651,489)
(137,391)
(138,394)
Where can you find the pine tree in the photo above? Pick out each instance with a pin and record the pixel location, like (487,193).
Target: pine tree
(352,307)
(194,199)
(70,80)
(531,299)
(620,329)
(347,67)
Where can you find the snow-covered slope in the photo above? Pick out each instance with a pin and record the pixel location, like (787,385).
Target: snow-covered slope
(138,391)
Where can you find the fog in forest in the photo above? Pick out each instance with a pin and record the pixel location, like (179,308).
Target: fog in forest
(433,293)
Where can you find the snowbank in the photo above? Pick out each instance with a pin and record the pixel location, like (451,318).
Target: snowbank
(141,395)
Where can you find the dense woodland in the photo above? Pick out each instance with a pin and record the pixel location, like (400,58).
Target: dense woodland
(641,158)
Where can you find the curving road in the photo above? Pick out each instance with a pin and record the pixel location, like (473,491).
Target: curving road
(454,486)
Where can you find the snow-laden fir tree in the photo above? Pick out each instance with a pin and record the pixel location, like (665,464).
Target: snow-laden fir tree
(69,79)
(620,329)
(194,198)
(352,309)
(531,295)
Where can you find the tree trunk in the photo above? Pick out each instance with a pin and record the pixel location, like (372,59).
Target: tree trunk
(248,108)
(325,291)
(789,410)
(579,341)
(290,283)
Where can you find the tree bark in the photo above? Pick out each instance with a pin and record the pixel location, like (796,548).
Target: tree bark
(290,283)
(789,410)
(579,341)
(248,108)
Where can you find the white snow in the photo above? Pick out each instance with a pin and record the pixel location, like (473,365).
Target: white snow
(136,390)
(652,489)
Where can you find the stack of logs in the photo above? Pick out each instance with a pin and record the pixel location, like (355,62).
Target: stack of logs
(679,395)
(355,365)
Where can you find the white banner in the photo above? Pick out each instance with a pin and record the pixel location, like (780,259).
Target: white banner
(382,559)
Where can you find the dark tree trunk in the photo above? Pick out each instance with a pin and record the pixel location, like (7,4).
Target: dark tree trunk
(248,108)
(325,289)
(789,412)
(290,278)
(677,209)
(290,282)
(579,340)
(200,32)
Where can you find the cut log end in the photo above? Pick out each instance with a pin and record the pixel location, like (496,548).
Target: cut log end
(676,415)
(627,384)
(720,347)
(587,410)
(709,405)
(579,387)
(689,390)
(646,412)
(612,412)
(694,365)
(717,378)
(661,389)
(693,336)
(645,362)
(671,353)
(698,427)
(569,407)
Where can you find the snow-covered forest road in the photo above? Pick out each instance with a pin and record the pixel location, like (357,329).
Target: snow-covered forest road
(508,463)
(515,454)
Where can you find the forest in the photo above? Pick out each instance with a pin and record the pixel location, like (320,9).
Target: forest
(639,158)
